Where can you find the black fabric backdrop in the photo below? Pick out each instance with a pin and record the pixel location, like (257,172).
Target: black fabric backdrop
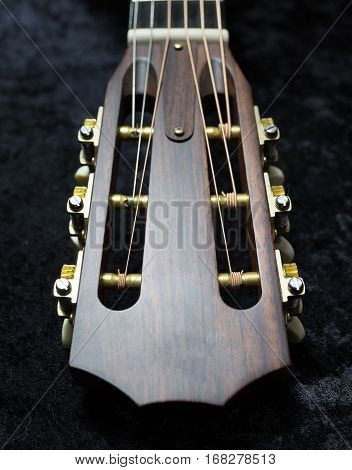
(41,406)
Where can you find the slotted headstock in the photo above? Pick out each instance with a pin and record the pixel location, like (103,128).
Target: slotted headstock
(190,334)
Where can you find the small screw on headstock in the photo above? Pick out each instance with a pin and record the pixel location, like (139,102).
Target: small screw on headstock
(296,285)
(75,203)
(271,131)
(63,286)
(179,131)
(86,132)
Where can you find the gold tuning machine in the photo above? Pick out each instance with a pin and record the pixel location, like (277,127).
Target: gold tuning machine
(89,138)
(66,292)
(269,135)
(213,132)
(280,206)
(134,281)
(292,290)
(66,287)
(78,207)
(228,200)
(129,133)
(216,133)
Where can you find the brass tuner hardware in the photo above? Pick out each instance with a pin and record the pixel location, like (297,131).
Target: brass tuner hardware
(280,206)
(78,206)
(290,270)
(179,131)
(68,271)
(228,200)
(128,132)
(213,132)
(67,286)
(134,281)
(235,280)
(230,133)
(89,137)
(120,201)
(268,134)
(121,281)
(292,287)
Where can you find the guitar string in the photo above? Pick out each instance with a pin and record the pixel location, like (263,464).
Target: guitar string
(185,8)
(150,48)
(213,82)
(162,69)
(223,62)
(134,53)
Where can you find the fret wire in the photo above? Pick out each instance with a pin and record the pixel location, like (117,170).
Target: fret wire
(177,7)
(173,1)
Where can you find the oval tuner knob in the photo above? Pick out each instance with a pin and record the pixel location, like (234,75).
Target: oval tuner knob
(276,175)
(77,243)
(295,330)
(82,175)
(286,249)
(67,333)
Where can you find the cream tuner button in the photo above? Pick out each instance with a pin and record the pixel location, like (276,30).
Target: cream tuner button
(286,249)
(276,175)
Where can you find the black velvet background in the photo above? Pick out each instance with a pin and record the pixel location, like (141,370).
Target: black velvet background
(84,40)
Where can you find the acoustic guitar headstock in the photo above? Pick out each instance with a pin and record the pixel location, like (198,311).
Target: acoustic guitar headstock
(200,295)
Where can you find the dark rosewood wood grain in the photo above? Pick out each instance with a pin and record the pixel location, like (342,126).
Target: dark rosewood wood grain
(178,94)
(180,341)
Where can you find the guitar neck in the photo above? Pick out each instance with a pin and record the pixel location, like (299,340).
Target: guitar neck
(153,14)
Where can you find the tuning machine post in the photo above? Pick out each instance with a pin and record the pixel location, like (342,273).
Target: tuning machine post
(225,200)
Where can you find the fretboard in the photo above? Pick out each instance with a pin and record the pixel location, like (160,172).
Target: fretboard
(141,12)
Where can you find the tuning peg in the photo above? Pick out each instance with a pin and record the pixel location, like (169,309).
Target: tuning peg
(295,330)
(89,138)
(269,135)
(76,240)
(67,333)
(286,249)
(280,206)
(82,175)
(276,175)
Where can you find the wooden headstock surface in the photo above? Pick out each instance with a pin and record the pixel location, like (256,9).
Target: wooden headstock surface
(180,341)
